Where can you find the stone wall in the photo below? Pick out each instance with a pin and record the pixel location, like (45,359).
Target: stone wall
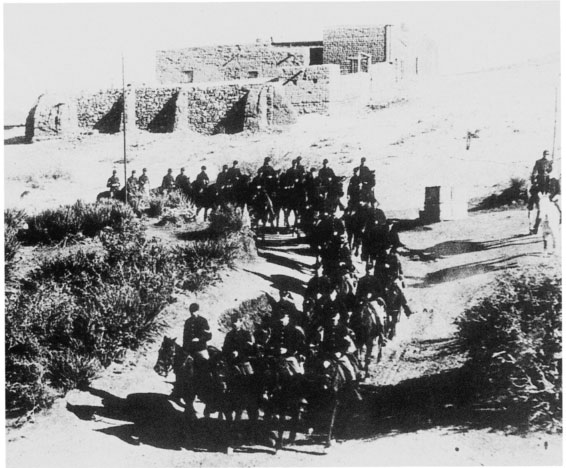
(227,62)
(101,110)
(155,108)
(309,89)
(342,43)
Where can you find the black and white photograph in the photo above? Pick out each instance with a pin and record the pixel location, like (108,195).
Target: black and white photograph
(264,234)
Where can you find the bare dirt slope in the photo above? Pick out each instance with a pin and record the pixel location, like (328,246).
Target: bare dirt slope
(410,415)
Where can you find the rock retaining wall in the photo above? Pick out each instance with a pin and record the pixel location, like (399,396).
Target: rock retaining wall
(101,110)
(227,62)
(342,43)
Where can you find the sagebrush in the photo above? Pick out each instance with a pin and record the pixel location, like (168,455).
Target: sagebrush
(513,338)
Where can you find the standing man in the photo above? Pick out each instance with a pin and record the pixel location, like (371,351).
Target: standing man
(168,182)
(113,184)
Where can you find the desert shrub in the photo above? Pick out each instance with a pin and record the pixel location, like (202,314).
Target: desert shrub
(515,193)
(225,220)
(14,221)
(177,199)
(51,226)
(156,206)
(253,312)
(512,336)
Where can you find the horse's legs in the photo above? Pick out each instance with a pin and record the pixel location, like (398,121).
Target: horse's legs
(280,432)
(332,421)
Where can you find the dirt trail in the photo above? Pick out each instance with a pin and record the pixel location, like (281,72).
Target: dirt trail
(409,416)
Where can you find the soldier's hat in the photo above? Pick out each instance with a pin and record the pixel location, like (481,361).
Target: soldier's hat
(545,153)
(182,169)
(225,166)
(133,172)
(267,159)
(299,158)
(325,161)
(169,170)
(203,168)
(194,307)
(235,162)
(144,170)
(363,160)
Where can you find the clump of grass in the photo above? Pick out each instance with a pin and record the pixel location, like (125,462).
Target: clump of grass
(225,220)
(253,313)
(52,226)
(513,339)
(514,194)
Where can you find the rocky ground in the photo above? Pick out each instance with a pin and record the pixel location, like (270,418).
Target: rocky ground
(411,413)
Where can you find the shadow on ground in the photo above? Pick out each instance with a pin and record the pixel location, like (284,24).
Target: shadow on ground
(457,247)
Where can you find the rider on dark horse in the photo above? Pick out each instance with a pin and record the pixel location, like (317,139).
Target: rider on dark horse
(354,189)
(287,345)
(222,182)
(238,347)
(326,174)
(234,174)
(202,179)
(113,184)
(286,305)
(336,345)
(168,182)
(182,181)
(540,183)
(196,334)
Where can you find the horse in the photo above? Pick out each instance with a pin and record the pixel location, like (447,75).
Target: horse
(205,197)
(262,209)
(284,393)
(395,301)
(329,392)
(367,325)
(210,387)
(355,221)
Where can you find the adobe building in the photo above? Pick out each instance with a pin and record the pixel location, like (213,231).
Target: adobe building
(232,88)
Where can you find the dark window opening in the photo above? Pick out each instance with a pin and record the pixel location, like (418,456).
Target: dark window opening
(253,74)
(315,56)
(187,76)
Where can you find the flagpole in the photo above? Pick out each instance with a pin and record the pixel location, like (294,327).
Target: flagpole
(555,120)
(124,130)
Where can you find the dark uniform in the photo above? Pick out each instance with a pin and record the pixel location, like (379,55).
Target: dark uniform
(300,168)
(168,182)
(288,342)
(202,179)
(336,339)
(196,327)
(285,306)
(132,185)
(541,171)
(354,188)
(326,175)
(222,178)
(113,184)
(182,181)
(234,174)
(237,348)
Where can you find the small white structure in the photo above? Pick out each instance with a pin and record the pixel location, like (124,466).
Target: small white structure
(444,203)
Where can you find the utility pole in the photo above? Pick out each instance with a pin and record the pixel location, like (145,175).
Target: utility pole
(124,124)
(555,120)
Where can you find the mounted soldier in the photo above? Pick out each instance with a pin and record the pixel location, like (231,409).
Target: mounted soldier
(132,185)
(234,174)
(287,343)
(354,189)
(202,179)
(286,306)
(182,181)
(113,184)
(143,182)
(168,182)
(300,168)
(238,346)
(326,174)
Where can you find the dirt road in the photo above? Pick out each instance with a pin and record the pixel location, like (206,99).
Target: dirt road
(410,414)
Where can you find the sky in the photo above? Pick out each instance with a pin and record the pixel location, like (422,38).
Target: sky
(69,47)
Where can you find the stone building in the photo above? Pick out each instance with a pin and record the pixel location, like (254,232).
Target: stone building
(231,88)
